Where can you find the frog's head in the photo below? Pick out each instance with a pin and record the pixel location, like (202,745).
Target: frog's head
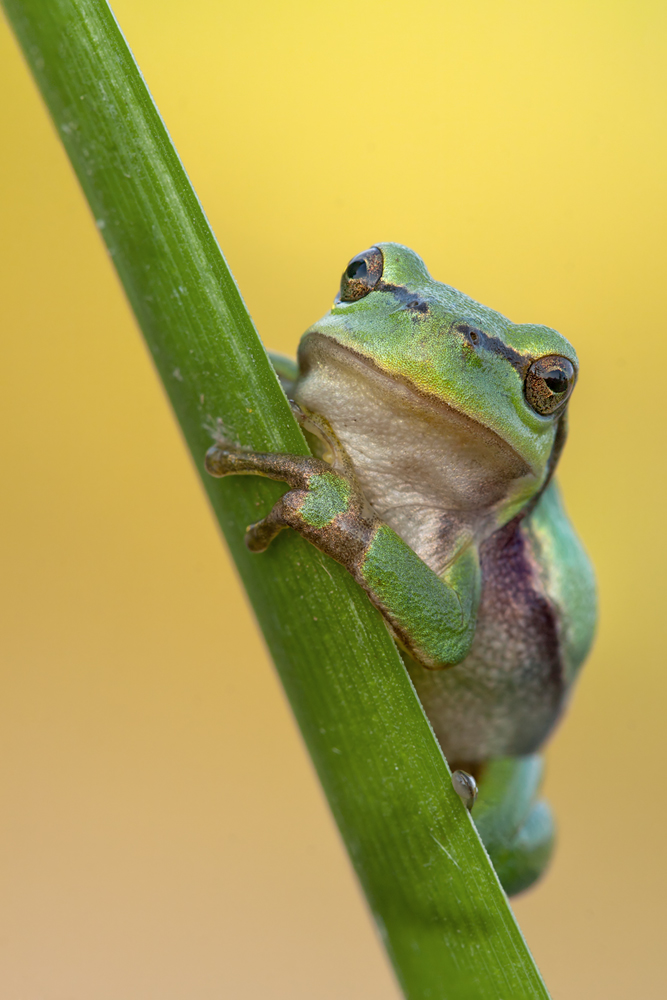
(512,379)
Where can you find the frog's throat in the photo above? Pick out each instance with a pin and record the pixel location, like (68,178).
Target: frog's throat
(316,347)
(438,477)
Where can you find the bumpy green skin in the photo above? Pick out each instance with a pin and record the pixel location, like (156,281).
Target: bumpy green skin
(516,827)
(437,614)
(328,496)
(433,487)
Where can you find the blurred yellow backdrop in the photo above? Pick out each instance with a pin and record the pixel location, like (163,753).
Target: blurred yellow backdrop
(162,833)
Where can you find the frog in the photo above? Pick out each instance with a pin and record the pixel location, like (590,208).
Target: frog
(436,425)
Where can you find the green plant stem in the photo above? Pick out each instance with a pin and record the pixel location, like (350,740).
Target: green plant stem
(444,919)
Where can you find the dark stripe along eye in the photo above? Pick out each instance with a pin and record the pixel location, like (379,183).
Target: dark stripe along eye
(361,275)
(549,383)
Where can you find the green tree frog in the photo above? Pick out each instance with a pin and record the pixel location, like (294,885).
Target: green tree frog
(436,426)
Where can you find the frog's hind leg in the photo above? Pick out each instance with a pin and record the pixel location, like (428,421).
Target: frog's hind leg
(287,371)
(516,826)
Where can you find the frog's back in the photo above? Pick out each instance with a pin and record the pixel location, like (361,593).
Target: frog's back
(534,629)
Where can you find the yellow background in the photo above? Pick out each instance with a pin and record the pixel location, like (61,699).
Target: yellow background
(162,834)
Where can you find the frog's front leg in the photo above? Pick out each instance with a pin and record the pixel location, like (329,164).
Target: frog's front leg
(322,505)
(433,618)
(515,825)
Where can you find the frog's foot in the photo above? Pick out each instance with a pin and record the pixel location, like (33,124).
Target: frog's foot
(516,827)
(324,504)
(465,787)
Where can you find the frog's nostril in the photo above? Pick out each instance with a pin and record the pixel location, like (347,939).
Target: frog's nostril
(474,336)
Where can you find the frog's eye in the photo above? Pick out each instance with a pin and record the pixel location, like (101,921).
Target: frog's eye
(361,275)
(549,383)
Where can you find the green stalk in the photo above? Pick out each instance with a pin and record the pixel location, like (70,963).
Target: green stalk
(441,912)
